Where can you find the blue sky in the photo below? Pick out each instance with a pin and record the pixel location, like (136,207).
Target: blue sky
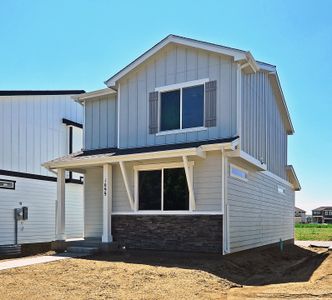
(79,44)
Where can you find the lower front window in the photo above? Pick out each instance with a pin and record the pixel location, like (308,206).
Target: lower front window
(165,189)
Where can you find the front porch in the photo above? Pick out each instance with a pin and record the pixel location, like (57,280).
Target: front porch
(113,213)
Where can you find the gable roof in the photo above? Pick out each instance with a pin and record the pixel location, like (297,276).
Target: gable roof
(238,55)
(299,209)
(323,208)
(241,56)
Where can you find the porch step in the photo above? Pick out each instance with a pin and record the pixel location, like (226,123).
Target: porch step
(83,250)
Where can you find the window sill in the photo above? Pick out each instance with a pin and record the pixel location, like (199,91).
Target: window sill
(168,212)
(186,130)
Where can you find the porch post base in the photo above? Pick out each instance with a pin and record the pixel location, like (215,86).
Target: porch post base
(59,246)
(106,239)
(112,247)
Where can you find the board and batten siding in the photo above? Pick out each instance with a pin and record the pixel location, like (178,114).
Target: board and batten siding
(101,123)
(258,214)
(31,130)
(263,132)
(40,198)
(175,64)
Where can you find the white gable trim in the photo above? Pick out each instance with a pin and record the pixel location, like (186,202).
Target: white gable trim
(285,112)
(238,55)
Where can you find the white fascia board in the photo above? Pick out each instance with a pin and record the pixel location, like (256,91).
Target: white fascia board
(238,55)
(293,177)
(266,67)
(93,94)
(290,128)
(176,153)
(248,158)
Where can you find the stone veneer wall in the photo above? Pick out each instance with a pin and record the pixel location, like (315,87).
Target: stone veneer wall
(196,233)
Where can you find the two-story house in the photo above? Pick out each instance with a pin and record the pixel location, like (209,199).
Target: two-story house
(299,215)
(36,126)
(322,214)
(186,149)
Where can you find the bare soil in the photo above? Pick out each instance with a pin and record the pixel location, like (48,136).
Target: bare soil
(295,273)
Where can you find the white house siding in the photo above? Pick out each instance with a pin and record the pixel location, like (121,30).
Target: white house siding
(101,123)
(207,178)
(93,202)
(74,210)
(31,130)
(175,64)
(258,214)
(40,197)
(263,131)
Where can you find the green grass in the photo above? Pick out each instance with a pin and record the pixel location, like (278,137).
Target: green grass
(313,232)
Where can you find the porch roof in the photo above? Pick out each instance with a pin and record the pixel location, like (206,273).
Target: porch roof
(109,155)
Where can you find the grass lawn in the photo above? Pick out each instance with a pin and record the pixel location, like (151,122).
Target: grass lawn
(313,232)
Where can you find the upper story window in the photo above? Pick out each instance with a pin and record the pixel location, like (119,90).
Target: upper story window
(182,108)
(186,106)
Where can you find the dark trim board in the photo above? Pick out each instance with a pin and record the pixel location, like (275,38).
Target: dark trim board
(36,176)
(125,151)
(39,92)
(27,175)
(71,123)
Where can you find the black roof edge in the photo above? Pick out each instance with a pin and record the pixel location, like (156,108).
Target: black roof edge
(166,147)
(40,92)
(71,123)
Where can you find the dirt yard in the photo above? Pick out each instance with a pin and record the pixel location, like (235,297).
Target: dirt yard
(296,273)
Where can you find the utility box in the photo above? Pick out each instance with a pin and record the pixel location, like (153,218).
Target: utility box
(25,212)
(18,214)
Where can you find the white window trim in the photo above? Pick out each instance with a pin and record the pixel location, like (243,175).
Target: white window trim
(177,86)
(193,129)
(231,166)
(180,86)
(160,166)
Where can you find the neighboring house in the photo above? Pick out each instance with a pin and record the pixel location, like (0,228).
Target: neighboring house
(322,214)
(36,126)
(299,215)
(186,149)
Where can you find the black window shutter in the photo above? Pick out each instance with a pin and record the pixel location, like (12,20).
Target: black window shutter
(211,103)
(153,112)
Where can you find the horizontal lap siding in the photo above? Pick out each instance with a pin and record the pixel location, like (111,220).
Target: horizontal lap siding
(207,183)
(31,130)
(101,123)
(40,197)
(263,132)
(175,64)
(258,214)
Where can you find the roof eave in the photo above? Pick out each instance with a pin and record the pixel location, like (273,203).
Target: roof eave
(289,125)
(293,177)
(94,94)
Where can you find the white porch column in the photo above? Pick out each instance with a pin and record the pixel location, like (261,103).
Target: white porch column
(107,203)
(60,209)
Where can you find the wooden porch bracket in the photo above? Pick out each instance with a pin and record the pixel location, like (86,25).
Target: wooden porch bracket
(126,182)
(190,183)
